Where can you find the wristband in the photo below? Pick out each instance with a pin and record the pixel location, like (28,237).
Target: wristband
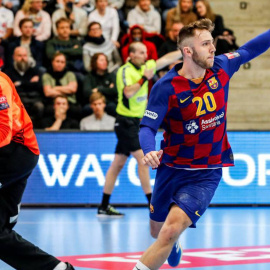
(142,80)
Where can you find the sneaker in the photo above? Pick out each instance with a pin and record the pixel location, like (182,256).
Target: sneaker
(175,255)
(69,266)
(109,212)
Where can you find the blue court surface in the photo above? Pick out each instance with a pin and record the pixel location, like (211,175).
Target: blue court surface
(225,238)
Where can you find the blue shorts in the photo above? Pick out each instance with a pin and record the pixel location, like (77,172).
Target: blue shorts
(191,190)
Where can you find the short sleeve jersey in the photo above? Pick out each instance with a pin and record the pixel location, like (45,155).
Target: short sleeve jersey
(15,123)
(127,75)
(194,116)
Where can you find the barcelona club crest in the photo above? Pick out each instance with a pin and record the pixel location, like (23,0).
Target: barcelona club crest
(213,83)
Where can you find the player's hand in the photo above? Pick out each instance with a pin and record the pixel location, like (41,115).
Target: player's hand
(149,73)
(152,158)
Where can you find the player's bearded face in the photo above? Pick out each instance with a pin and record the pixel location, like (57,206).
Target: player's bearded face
(202,60)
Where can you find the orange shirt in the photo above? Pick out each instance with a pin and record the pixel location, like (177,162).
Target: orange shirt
(15,123)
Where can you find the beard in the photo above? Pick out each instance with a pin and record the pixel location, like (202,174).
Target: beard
(22,66)
(203,63)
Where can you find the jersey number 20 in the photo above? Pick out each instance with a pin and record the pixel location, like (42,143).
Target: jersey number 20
(210,103)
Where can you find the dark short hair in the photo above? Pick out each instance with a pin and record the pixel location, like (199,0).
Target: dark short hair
(96,96)
(189,30)
(94,59)
(91,24)
(57,54)
(63,20)
(25,20)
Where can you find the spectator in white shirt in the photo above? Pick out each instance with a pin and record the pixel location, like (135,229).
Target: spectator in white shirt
(99,120)
(76,15)
(145,15)
(109,20)
(42,21)
(6,22)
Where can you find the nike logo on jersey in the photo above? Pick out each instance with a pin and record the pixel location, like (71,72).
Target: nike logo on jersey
(183,100)
(197,213)
(137,268)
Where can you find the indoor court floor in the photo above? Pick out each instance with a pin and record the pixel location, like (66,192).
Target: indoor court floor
(225,238)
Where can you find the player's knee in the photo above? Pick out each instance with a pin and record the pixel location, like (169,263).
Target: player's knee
(169,234)
(118,166)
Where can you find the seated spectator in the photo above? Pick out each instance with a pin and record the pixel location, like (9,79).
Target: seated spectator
(63,43)
(108,19)
(136,33)
(27,82)
(95,42)
(170,45)
(6,22)
(130,4)
(100,80)
(59,81)
(182,12)
(12,5)
(166,5)
(118,4)
(145,15)
(87,5)
(50,6)
(76,15)
(60,120)
(42,21)
(6,31)
(34,47)
(224,38)
(99,120)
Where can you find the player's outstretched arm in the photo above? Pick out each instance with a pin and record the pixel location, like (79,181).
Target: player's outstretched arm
(255,47)
(168,59)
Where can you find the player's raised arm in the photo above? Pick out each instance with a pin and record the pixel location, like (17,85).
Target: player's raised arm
(255,47)
(168,59)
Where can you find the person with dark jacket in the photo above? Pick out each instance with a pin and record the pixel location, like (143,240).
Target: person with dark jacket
(100,80)
(63,43)
(28,83)
(60,119)
(170,45)
(225,41)
(35,48)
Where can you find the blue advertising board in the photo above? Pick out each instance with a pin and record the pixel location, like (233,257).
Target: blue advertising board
(72,168)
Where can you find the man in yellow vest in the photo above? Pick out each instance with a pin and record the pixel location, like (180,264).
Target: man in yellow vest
(132,85)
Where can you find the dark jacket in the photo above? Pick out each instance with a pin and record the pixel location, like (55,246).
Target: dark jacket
(93,80)
(36,47)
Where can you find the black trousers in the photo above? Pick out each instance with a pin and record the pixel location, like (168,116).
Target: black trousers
(16,164)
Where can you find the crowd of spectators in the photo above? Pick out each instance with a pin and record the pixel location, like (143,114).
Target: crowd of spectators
(63,55)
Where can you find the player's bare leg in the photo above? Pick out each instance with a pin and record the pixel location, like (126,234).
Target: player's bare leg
(112,173)
(143,171)
(177,221)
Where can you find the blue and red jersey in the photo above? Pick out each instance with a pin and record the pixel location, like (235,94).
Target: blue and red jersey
(194,115)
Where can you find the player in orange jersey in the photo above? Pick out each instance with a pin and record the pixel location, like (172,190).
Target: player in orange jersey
(18,157)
